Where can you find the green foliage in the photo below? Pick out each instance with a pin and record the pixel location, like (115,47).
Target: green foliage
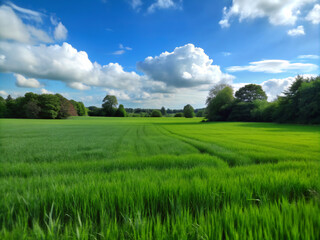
(241,111)
(109,105)
(156,113)
(121,112)
(3,107)
(50,106)
(179,114)
(200,113)
(163,111)
(219,106)
(251,92)
(188,111)
(163,178)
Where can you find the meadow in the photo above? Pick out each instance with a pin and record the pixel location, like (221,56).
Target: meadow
(158,178)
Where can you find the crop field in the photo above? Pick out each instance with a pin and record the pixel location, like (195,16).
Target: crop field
(158,178)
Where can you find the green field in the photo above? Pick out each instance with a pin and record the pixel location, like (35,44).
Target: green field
(158,178)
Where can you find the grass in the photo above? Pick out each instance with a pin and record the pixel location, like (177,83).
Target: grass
(164,178)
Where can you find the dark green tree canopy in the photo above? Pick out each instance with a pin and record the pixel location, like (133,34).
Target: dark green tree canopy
(188,111)
(163,111)
(109,105)
(121,112)
(156,113)
(251,92)
(215,90)
(218,106)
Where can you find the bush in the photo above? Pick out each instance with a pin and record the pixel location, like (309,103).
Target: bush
(121,112)
(156,113)
(188,111)
(179,114)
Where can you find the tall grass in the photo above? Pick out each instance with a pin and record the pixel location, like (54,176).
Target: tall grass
(98,178)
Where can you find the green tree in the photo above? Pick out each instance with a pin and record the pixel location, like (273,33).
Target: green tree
(32,109)
(109,105)
(250,92)
(3,107)
(179,114)
(163,111)
(219,107)
(188,111)
(200,113)
(50,106)
(156,113)
(121,112)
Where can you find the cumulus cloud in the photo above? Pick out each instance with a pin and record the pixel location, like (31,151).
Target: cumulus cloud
(21,81)
(45,91)
(163,4)
(78,86)
(274,66)
(60,32)
(64,63)
(278,12)
(296,31)
(186,66)
(314,15)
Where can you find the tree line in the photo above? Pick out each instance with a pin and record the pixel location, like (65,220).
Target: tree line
(46,106)
(109,109)
(299,104)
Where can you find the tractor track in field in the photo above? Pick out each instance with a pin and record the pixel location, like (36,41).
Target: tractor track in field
(232,158)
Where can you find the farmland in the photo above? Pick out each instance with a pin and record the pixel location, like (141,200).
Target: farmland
(158,178)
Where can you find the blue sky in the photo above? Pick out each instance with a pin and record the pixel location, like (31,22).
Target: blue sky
(153,53)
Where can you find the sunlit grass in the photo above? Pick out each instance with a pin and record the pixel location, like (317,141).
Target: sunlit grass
(136,178)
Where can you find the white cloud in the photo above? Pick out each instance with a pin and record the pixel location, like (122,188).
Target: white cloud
(310,56)
(122,50)
(64,63)
(60,32)
(13,28)
(226,54)
(78,86)
(21,81)
(45,91)
(279,12)
(27,13)
(121,95)
(296,31)
(186,66)
(136,4)
(3,93)
(163,4)
(274,66)
(314,15)
(119,52)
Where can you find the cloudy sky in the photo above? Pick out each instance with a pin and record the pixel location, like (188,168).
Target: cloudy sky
(153,53)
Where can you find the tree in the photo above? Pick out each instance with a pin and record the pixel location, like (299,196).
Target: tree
(121,112)
(50,106)
(3,107)
(32,109)
(219,107)
(163,111)
(109,105)
(188,111)
(156,113)
(200,113)
(215,90)
(251,92)
(179,114)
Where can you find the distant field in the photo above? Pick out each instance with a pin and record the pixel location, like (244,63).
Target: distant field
(158,178)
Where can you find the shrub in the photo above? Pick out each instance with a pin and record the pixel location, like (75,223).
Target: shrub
(179,114)
(156,113)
